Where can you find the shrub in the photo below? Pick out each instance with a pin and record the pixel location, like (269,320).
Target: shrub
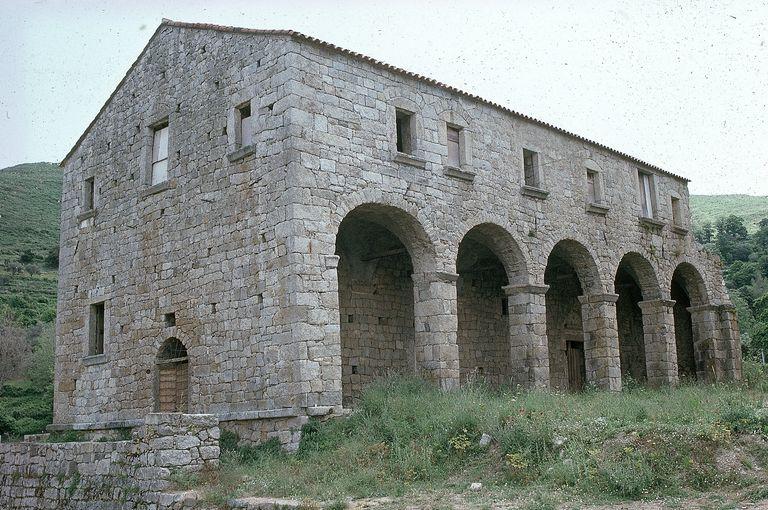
(27,256)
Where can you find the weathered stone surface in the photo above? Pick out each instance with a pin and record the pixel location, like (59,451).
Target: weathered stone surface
(301,264)
(109,475)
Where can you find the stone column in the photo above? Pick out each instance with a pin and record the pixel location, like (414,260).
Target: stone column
(710,358)
(730,341)
(528,345)
(659,340)
(436,324)
(601,340)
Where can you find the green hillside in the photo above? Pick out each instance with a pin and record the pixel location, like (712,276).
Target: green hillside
(706,208)
(29,236)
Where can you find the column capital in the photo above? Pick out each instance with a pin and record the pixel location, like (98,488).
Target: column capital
(598,298)
(651,303)
(332,261)
(727,307)
(435,276)
(528,288)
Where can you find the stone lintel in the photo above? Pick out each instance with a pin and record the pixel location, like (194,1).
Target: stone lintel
(435,276)
(598,298)
(332,261)
(528,288)
(651,303)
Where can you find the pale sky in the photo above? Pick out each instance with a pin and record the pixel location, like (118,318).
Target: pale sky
(682,85)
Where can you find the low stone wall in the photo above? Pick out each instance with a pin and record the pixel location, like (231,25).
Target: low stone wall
(110,474)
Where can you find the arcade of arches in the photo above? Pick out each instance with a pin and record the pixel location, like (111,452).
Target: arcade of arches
(487,321)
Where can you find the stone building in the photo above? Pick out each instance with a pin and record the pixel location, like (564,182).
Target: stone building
(258,223)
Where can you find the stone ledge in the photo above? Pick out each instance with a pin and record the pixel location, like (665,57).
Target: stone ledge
(259,415)
(651,223)
(95,359)
(595,208)
(85,215)
(529,288)
(157,188)
(408,159)
(241,153)
(681,231)
(117,424)
(458,173)
(533,192)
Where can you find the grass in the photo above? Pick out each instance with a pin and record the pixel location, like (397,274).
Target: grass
(406,438)
(711,207)
(29,221)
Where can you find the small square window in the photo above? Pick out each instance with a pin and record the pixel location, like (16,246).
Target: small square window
(245,123)
(531,168)
(403,121)
(160,154)
(88,194)
(96,329)
(677,218)
(454,147)
(647,195)
(170,320)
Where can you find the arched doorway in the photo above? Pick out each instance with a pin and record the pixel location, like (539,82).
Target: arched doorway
(488,261)
(172,383)
(687,290)
(376,296)
(570,273)
(635,281)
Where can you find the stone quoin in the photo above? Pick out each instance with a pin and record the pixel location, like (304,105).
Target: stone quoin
(258,223)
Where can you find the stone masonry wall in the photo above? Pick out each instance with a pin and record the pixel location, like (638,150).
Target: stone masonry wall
(108,474)
(241,241)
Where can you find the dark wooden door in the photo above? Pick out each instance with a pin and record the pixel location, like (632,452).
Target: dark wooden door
(577,371)
(173,387)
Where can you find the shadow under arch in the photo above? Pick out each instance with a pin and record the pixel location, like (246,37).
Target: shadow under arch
(688,290)
(379,247)
(635,282)
(488,261)
(571,272)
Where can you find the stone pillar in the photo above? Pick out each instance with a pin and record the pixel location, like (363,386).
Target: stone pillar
(601,340)
(659,340)
(710,358)
(730,341)
(436,325)
(528,345)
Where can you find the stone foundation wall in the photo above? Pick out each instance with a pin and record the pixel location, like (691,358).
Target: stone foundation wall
(109,474)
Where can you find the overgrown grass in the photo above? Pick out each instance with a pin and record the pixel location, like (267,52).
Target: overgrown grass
(407,437)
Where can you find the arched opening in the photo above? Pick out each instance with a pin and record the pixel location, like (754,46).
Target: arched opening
(687,290)
(483,308)
(172,383)
(571,271)
(635,281)
(376,297)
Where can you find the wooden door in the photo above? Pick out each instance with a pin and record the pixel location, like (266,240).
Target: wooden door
(577,371)
(173,387)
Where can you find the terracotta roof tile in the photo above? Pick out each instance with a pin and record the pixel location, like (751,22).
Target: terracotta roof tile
(319,42)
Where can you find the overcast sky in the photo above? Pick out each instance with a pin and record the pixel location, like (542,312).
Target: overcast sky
(681,85)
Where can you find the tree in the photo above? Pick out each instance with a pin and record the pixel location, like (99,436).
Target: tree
(52,258)
(733,239)
(740,274)
(704,234)
(15,350)
(760,237)
(27,256)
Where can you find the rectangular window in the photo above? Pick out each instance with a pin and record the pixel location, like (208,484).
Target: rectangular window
(592,197)
(88,191)
(246,126)
(96,329)
(647,201)
(453,147)
(676,214)
(403,122)
(531,168)
(160,154)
